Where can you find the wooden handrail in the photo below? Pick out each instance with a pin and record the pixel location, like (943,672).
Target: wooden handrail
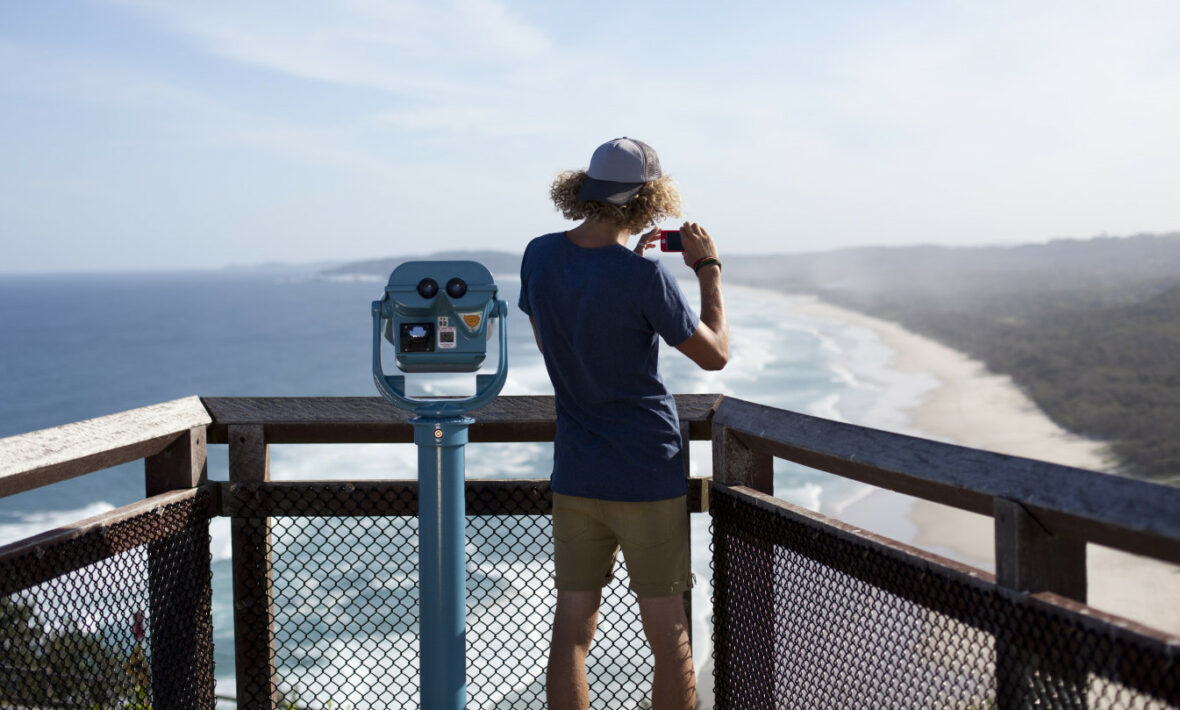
(36,459)
(336,420)
(1071,503)
(1129,514)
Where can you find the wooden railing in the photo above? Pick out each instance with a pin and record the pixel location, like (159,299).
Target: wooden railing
(1044,513)
(169,436)
(1036,644)
(170,439)
(249,425)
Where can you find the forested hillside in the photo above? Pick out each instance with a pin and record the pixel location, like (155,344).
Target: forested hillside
(1089,329)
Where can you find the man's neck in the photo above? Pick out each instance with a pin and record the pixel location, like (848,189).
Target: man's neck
(592,235)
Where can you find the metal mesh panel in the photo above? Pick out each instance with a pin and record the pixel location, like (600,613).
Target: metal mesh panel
(119,616)
(808,615)
(345,599)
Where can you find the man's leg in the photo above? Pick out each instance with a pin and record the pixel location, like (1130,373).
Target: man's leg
(674,684)
(574,622)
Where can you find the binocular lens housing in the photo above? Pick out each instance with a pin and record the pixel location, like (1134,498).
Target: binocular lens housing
(456,287)
(438,315)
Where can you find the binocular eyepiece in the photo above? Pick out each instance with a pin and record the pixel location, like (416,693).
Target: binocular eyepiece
(428,288)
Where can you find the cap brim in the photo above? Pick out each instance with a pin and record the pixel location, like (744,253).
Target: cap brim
(615,193)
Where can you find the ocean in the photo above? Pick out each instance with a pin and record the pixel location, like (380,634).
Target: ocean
(80,346)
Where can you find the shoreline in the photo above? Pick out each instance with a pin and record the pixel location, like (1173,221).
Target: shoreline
(973,407)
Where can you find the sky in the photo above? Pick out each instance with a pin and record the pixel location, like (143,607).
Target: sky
(165,134)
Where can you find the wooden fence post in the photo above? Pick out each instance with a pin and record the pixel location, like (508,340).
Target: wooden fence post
(735,464)
(249,462)
(180,466)
(743,667)
(181,631)
(1030,558)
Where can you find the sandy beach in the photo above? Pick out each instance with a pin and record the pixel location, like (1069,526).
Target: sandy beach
(976,408)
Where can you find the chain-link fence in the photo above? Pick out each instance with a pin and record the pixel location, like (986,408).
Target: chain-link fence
(118,615)
(344,620)
(809,615)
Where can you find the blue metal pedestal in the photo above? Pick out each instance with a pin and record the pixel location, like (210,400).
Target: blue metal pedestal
(442,560)
(437,328)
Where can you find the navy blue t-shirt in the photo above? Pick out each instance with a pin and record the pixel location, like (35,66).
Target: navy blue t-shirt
(599,314)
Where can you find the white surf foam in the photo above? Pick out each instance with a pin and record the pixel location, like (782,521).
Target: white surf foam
(35,523)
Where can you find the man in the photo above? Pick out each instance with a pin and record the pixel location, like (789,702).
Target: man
(598,310)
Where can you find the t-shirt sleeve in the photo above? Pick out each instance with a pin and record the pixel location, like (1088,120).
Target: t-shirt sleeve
(666,308)
(523,301)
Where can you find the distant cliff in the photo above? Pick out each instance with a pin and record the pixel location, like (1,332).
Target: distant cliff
(498,262)
(1089,329)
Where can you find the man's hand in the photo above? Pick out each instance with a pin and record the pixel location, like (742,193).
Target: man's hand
(697,243)
(647,241)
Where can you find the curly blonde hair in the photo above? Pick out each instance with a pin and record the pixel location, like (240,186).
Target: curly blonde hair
(655,201)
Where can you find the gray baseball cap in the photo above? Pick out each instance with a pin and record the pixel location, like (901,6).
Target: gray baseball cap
(618,170)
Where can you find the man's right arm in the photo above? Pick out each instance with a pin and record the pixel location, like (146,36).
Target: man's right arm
(709,345)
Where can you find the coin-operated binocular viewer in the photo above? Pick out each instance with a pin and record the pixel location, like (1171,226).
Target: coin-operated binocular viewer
(439,315)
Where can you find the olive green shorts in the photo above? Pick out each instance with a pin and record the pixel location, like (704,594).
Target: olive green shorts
(588,534)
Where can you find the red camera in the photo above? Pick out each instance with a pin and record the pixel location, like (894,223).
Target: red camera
(670,240)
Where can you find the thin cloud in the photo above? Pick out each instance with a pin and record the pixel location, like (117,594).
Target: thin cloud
(419,48)
(180,113)
(788,126)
